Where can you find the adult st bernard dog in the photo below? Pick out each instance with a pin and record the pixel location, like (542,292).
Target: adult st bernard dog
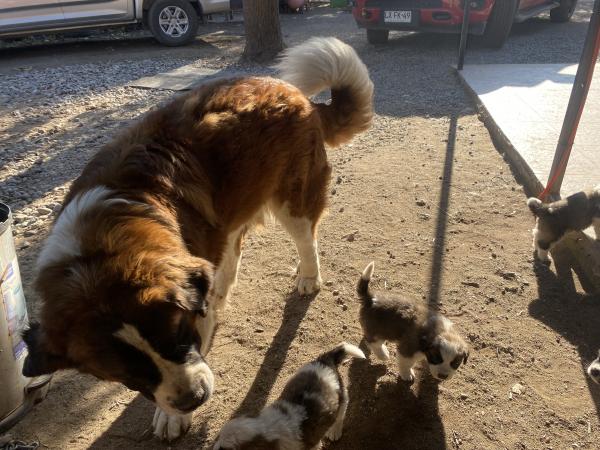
(147,244)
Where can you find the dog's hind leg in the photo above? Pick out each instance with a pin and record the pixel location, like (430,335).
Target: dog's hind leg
(335,432)
(227,270)
(303,231)
(597,228)
(298,207)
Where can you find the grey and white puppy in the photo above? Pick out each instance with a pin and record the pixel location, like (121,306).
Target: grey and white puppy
(593,369)
(419,332)
(312,406)
(553,220)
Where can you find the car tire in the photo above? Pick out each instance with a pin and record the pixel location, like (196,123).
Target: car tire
(377,36)
(173,22)
(499,23)
(563,12)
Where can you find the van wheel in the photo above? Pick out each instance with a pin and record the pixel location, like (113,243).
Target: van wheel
(173,22)
(563,12)
(499,23)
(377,36)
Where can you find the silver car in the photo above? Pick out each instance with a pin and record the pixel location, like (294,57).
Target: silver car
(172,22)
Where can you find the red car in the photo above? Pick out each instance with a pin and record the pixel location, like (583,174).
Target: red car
(491,18)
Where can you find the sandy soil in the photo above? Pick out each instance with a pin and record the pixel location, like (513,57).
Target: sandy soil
(426,196)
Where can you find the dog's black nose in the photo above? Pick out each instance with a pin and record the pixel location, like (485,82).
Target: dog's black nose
(595,372)
(189,402)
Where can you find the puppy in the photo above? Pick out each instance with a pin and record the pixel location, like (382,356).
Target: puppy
(418,331)
(593,369)
(312,406)
(553,220)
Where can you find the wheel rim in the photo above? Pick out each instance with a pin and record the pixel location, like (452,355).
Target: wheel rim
(173,21)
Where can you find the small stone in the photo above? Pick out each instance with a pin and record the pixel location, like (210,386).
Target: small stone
(43,211)
(463,396)
(29,233)
(329,283)
(341,209)
(336,292)
(517,389)
(470,283)
(259,330)
(420,202)
(344,307)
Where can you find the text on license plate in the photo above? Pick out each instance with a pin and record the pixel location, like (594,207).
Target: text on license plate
(397,16)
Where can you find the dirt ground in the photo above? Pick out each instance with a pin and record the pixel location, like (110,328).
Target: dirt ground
(426,196)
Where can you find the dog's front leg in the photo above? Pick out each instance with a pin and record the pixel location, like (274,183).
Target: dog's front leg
(170,426)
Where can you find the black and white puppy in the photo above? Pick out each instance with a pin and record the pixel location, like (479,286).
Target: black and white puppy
(312,406)
(553,220)
(593,369)
(419,332)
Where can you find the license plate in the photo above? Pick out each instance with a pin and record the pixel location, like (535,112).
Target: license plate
(397,16)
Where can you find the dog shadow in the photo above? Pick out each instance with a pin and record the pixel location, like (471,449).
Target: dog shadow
(132,430)
(294,311)
(572,314)
(390,414)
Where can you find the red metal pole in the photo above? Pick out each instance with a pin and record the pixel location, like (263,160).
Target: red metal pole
(579,93)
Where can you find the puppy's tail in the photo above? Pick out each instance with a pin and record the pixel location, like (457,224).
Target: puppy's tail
(536,206)
(366,298)
(328,63)
(340,354)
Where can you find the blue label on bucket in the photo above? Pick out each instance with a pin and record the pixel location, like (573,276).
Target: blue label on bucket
(14,307)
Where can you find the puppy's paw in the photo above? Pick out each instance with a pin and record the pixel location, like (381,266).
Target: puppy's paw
(308,285)
(380,351)
(335,432)
(543,256)
(408,376)
(170,426)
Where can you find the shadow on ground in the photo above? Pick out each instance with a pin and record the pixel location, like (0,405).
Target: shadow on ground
(571,314)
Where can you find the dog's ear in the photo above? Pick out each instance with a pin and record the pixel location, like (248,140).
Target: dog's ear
(199,282)
(465,357)
(39,361)
(424,343)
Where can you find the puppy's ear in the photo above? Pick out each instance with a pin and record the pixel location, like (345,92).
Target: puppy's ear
(39,361)
(465,357)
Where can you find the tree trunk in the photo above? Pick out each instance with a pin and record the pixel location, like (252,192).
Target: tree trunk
(263,30)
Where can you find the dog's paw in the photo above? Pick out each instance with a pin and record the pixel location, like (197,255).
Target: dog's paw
(335,432)
(170,426)
(408,376)
(308,285)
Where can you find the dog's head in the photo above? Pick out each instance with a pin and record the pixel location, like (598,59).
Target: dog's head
(593,369)
(444,349)
(133,322)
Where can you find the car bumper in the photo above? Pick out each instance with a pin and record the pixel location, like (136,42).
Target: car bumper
(441,16)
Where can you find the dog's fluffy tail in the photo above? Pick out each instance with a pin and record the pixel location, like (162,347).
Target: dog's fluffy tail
(366,298)
(535,205)
(328,63)
(341,353)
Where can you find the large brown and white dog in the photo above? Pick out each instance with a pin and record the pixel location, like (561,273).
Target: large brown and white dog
(148,241)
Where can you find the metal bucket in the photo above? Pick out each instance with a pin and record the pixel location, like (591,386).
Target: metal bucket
(17,393)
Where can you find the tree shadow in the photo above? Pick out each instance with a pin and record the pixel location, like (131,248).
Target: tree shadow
(571,314)
(294,311)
